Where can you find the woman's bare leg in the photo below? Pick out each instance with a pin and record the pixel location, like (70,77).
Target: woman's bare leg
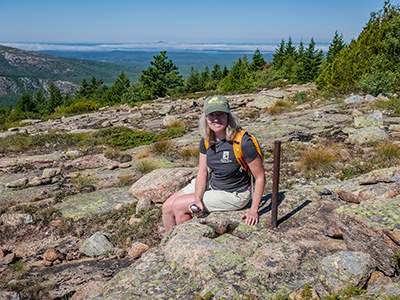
(168,212)
(181,208)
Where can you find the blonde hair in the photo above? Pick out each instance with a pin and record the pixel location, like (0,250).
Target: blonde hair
(232,128)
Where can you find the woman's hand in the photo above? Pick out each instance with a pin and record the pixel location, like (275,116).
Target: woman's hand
(251,218)
(199,204)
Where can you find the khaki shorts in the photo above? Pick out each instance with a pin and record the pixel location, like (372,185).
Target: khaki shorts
(214,200)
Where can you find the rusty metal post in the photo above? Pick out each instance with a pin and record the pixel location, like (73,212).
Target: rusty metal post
(275,184)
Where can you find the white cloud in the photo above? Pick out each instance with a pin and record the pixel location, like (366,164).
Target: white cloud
(146,46)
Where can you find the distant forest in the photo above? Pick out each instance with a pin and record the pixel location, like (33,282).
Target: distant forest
(369,64)
(140,60)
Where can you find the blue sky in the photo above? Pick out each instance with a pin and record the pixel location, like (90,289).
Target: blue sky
(181,22)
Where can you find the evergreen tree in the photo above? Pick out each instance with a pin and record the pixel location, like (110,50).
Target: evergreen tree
(309,65)
(225,72)
(39,101)
(335,47)
(238,78)
(279,56)
(205,77)
(370,62)
(216,73)
(290,50)
(119,91)
(288,67)
(83,90)
(55,98)
(258,62)
(161,78)
(25,104)
(193,82)
(301,62)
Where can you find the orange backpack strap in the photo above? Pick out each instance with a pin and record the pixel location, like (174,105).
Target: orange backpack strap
(206,144)
(237,148)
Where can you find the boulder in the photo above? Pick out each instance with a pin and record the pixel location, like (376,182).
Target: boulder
(97,245)
(137,250)
(15,219)
(159,184)
(354,99)
(266,99)
(53,254)
(51,172)
(374,119)
(366,135)
(345,268)
(362,226)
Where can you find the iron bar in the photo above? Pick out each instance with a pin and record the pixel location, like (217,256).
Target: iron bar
(275,184)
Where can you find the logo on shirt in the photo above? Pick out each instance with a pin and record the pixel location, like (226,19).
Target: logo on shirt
(225,157)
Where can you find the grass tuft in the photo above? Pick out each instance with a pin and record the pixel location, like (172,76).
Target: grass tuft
(147,165)
(318,160)
(190,152)
(278,107)
(114,154)
(162,147)
(389,152)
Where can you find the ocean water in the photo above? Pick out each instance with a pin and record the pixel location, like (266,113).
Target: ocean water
(184,60)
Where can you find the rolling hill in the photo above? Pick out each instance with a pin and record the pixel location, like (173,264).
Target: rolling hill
(22,70)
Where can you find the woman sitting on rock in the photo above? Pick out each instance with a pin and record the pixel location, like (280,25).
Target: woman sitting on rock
(226,186)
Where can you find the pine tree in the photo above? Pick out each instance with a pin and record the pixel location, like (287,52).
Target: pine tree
(301,62)
(119,90)
(83,90)
(55,98)
(238,77)
(216,73)
(25,104)
(335,47)
(193,83)
(40,101)
(258,62)
(288,67)
(279,56)
(290,50)
(205,77)
(370,62)
(312,62)
(161,78)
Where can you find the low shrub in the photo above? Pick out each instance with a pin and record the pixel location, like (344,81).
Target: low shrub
(300,97)
(391,106)
(356,168)
(172,132)
(80,107)
(124,138)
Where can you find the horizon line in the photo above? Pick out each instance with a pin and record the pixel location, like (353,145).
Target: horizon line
(154,46)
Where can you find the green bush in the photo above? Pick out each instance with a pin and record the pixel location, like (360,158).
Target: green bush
(300,97)
(79,107)
(371,62)
(378,81)
(392,106)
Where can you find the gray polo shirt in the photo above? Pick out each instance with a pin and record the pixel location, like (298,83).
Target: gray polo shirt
(225,171)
